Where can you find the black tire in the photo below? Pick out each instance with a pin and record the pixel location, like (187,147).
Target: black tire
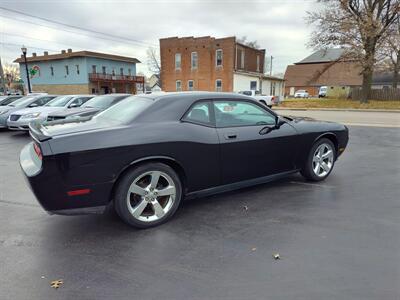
(120,199)
(307,170)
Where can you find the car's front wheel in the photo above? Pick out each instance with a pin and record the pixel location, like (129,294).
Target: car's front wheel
(320,161)
(148,195)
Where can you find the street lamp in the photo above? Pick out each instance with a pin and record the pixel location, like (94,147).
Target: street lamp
(23,49)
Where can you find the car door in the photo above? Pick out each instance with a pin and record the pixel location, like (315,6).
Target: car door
(251,145)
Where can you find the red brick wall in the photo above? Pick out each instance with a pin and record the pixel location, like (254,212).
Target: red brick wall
(207,73)
(250,58)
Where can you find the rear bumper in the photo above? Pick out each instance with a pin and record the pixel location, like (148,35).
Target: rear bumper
(50,188)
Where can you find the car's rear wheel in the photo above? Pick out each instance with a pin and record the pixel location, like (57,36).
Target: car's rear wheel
(148,195)
(320,161)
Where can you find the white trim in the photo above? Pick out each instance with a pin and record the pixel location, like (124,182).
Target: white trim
(176,85)
(216,58)
(188,87)
(180,61)
(216,86)
(191,60)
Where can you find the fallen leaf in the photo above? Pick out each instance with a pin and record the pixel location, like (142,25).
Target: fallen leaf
(56,283)
(277,256)
(245,207)
(253,249)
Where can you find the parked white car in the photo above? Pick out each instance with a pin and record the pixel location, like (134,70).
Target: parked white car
(264,99)
(322,91)
(20,119)
(301,94)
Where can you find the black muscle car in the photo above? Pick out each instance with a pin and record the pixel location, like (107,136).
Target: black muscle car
(146,153)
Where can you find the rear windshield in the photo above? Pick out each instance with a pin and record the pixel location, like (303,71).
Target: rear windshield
(102,102)
(22,101)
(126,110)
(301,91)
(59,101)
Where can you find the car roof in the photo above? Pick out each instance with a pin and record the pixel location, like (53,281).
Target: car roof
(194,94)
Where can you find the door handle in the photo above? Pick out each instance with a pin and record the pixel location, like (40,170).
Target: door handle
(230,136)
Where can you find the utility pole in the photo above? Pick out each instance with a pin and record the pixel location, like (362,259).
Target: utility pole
(3,80)
(270,67)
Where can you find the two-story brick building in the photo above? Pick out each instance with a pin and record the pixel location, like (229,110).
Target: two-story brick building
(81,72)
(211,64)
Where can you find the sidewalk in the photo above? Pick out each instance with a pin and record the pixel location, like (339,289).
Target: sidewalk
(354,117)
(336,109)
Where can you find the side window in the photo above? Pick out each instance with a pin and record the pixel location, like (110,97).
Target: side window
(79,101)
(41,101)
(199,113)
(241,113)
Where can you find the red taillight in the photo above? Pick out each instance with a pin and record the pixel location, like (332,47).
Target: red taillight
(38,151)
(78,192)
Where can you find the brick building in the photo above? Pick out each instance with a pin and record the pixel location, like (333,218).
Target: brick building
(211,64)
(81,72)
(323,68)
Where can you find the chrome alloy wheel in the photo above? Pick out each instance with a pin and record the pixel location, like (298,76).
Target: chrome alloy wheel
(323,160)
(151,196)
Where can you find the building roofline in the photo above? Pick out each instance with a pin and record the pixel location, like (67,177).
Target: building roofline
(66,55)
(247,46)
(264,76)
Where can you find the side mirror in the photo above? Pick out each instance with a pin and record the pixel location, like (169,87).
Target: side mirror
(33,105)
(73,105)
(278,122)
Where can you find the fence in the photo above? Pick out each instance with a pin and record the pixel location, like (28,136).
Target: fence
(384,94)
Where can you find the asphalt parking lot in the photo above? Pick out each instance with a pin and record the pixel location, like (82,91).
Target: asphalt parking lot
(338,239)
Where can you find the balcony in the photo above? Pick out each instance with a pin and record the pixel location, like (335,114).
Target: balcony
(115,78)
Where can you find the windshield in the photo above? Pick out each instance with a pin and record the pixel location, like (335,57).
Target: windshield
(126,110)
(101,102)
(8,100)
(22,101)
(59,101)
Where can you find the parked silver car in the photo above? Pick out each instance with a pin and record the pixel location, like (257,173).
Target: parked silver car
(27,101)
(20,119)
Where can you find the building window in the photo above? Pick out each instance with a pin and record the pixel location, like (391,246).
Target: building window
(94,69)
(253,85)
(121,71)
(177,61)
(258,63)
(178,86)
(242,59)
(104,70)
(218,85)
(129,72)
(52,71)
(190,85)
(194,60)
(77,69)
(218,57)
(66,70)
(113,72)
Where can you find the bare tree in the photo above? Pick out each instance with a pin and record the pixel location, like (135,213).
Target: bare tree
(153,60)
(359,26)
(243,40)
(391,52)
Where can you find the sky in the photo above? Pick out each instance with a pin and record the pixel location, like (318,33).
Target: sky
(132,26)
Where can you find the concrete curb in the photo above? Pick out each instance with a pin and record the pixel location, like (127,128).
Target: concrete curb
(338,109)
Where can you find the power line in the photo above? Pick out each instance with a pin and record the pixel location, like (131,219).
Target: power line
(106,36)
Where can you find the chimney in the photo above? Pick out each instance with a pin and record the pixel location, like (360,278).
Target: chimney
(34,54)
(69,50)
(62,51)
(46,53)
